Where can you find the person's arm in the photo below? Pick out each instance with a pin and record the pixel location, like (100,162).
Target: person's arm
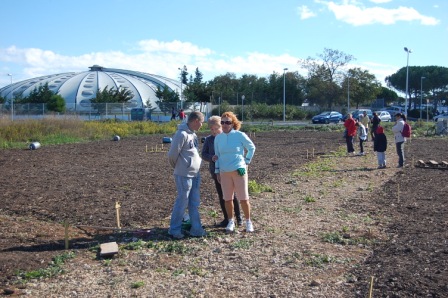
(177,144)
(249,146)
(216,146)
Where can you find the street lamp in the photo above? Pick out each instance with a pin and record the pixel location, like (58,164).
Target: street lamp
(284,95)
(242,107)
(348,94)
(407,80)
(12,100)
(421,95)
(181,105)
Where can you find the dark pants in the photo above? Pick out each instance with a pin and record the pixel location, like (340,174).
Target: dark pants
(222,203)
(400,152)
(373,133)
(361,145)
(349,140)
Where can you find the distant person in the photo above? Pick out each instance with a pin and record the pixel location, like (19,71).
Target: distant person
(362,136)
(375,123)
(380,147)
(365,120)
(182,115)
(173,113)
(184,157)
(399,139)
(208,154)
(350,133)
(235,151)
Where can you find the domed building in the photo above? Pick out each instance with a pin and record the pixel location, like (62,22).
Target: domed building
(78,88)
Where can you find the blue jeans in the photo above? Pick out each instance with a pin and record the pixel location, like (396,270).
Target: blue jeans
(188,195)
(400,152)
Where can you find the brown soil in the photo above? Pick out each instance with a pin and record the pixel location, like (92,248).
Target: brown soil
(391,223)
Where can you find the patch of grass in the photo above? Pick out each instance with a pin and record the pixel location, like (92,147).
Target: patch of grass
(309,199)
(315,168)
(198,271)
(255,187)
(53,269)
(242,244)
(173,247)
(135,245)
(319,260)
(178,272)
(137,284)
(334,237)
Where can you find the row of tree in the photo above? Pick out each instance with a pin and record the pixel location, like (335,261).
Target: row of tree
(328,83)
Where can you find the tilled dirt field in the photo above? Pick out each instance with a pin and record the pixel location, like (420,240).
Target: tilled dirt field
(331,223)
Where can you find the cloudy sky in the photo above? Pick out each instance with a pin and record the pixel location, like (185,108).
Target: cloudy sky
(40,37)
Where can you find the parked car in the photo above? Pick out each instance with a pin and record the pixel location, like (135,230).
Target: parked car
(393,110)
(360,112)
(441,117)
(327,117)
(384,116)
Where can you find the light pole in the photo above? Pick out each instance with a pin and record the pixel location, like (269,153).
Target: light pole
(407,81)
(12,100)
(181,104)
(284,95)
(242,107)
(421,96)
(348,94)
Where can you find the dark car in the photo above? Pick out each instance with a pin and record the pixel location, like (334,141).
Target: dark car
(327,117)
(360,112)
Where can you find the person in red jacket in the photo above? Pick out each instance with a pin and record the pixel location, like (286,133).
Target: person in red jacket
(350,133)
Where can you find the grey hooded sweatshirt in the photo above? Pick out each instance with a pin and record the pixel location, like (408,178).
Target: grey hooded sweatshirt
(184,152)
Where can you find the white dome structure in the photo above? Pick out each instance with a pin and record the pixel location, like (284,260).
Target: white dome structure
(79,88)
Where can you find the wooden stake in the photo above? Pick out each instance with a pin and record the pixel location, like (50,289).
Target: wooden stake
(146,147)
(313,152)
(66,234)
(306,153)
(156,148)
(117,207)
(398,192)
(371,287)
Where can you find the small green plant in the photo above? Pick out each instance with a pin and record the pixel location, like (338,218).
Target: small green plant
(292,209)
(198,271)
(178,272)
(52,270)
(254,187)
(137,284)
(318,260)
(107,262)
(309,199)
(334,237)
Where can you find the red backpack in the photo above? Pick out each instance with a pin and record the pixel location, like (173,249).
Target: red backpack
(406,132)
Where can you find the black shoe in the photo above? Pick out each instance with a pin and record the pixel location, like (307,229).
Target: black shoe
(239,221)
(223,223)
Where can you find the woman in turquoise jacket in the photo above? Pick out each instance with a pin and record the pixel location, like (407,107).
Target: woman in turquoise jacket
(234,150)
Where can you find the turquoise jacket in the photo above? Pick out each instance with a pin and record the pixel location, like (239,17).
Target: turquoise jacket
(230,149)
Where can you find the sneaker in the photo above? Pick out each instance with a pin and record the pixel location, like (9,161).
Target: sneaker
(230,226)
(249,226)
(239,221)
(399,166)
(177,236)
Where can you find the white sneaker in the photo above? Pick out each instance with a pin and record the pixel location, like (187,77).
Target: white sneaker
(249,226)
(230,226)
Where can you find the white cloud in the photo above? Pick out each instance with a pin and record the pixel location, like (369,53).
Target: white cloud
(353,13)
(305,13)
(175,46)
(380,1)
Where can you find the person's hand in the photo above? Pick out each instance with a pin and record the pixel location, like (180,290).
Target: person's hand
(218,177)
(241,171)
(215,158)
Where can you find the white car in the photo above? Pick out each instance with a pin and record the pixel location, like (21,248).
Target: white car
(384,116)
(441,117)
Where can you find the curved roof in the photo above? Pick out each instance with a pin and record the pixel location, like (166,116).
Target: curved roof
(78,88)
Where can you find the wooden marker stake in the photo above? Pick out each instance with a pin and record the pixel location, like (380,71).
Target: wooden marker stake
(306,153)
(146,147)
(66,234)
(371,287)
(313,152)
(117,207)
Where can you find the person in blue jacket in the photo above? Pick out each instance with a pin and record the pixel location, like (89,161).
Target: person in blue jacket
(184,157)
(234,151)
(208,154)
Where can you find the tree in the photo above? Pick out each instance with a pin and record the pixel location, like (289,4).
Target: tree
(388,95)
(112,95)
(364,87)
(56,103)
(324,76)
(434,85)
(166,97)
(196,90)
(43,95)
